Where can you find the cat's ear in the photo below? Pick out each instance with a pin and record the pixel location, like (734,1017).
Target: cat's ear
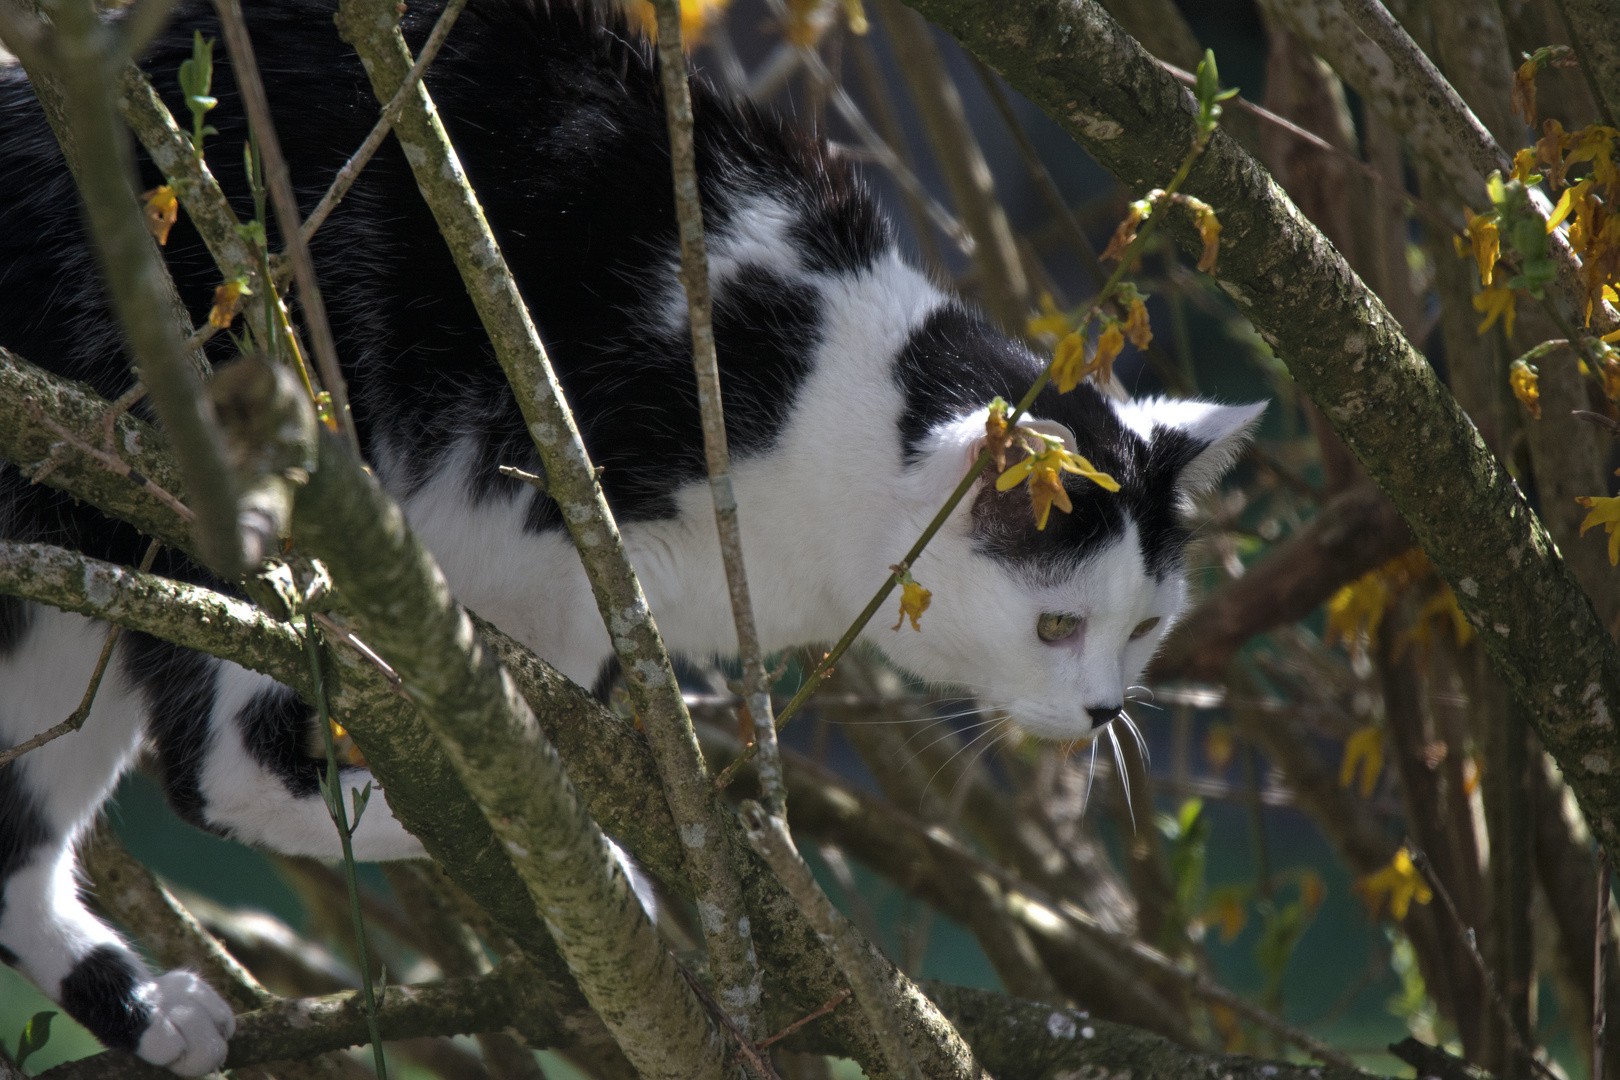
(1198,441)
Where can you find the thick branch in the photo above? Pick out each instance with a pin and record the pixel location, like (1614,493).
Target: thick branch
(405,611)
(80,52)
(1356,532)
(1347,352)
(570,479)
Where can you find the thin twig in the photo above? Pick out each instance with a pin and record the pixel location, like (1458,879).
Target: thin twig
(770,839)
(820,1011)
(121,405)
(1003,285)
(332,789)
(331,626)
(694,275)
(745,1046)
(112,462)
(1465,934)
(77,717)
(385,123)
(515,473)
(1600,973)
(1322,144)
(246,70)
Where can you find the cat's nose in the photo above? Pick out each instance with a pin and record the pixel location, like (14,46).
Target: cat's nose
(1100,717)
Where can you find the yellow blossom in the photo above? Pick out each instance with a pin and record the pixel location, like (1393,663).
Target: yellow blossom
(1209,229)
(914,600)
(1357,608)
(1605,512)
(1219,746)
(1611,372)
(1125,234)
(1045,490)
(1550,152)
(855,12)
(1365,750)
(1400,882)
(996,436)
(162,211)
(227,299)
(1496,303)
(1312,891)
(1487,243)
(1439,611)
(1108,348)
(1136,324)
(1051,320)
(1524,378)
(1043,470)
(1524,165)
(1522,97)
(1228,911)
(1069,362)
(348,753)
(695,18)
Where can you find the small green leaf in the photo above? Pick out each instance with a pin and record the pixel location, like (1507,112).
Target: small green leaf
(361,798)
(330,793)
(35,1034)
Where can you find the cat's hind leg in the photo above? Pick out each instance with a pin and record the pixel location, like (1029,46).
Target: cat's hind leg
(48,798)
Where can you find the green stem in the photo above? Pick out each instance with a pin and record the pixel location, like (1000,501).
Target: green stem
(822,669)
(340,817)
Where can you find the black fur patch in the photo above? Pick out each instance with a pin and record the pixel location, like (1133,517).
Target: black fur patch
(16,616)
(179,686)
(275,728)
(956,363)
(100,994)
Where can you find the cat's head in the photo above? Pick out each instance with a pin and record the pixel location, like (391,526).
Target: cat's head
(1054,626)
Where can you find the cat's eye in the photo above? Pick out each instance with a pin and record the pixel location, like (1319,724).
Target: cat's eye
(1052,626)
(1144,628)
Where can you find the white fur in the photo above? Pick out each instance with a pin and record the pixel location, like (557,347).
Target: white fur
(824,513)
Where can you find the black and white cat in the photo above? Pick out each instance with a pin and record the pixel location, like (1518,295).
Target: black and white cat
(855,396)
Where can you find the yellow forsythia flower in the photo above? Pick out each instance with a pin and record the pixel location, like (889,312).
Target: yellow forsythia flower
(1400,882)
(1486,241)
(1522,98)
(1550,152)
(914,600)
(1227,911)
(1136,324)
(1524,166)
(1052,320)
(1045,490)
(1219,746)
(1046,485)
(1125,234)
(1605,512)
(1363,749)
(1524,378)
(1496,303)
(343,743)
(695,18)
(1209,228)
(1108,349)
(1069,362)
(996,436)
(227,299)
(855,12)
(162,210)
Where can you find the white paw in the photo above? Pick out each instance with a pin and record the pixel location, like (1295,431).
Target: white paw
(189,1027)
